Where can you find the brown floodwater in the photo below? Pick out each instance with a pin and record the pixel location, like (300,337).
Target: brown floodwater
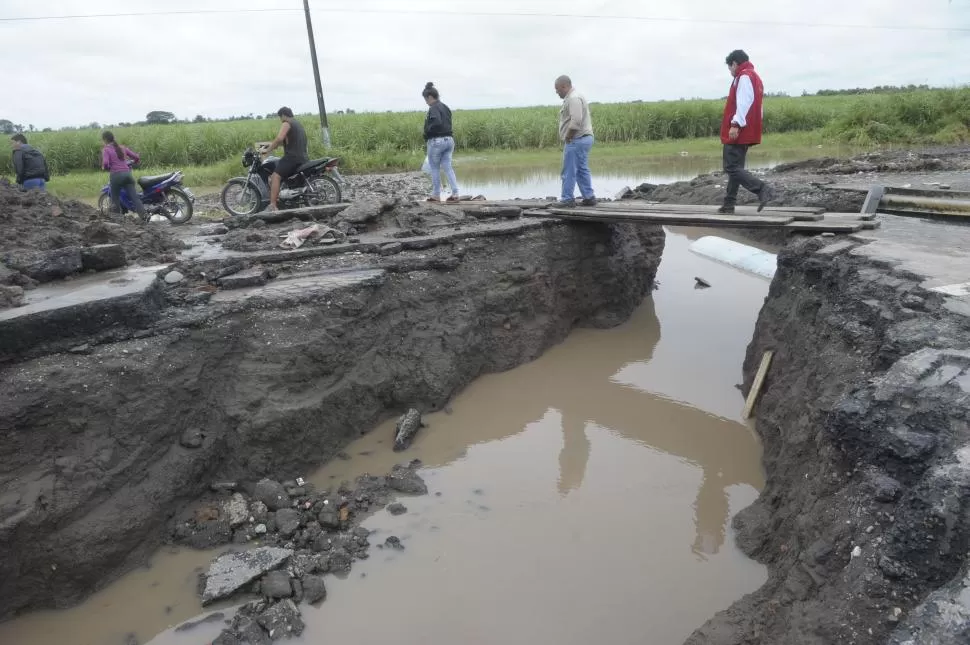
(584,496)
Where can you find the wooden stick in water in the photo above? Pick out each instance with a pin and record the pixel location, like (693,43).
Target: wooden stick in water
(759,380)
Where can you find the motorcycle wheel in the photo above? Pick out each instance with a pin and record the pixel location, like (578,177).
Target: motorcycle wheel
(325,191)
(177,206)
(243,196)
(107,209)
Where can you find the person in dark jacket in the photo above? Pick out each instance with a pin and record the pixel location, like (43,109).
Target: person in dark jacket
(441,144)
(29,164)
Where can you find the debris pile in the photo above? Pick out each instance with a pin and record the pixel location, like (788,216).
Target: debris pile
(302,535)
(46,239)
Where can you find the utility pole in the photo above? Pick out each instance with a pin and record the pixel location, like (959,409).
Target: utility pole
(324,128)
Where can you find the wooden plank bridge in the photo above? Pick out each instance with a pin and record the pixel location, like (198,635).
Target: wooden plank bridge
(791,219)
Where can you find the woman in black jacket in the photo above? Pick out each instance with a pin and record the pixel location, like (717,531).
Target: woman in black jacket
(441,144)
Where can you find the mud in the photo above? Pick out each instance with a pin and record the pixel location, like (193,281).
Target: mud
(810,183)
(39,231)
(106,444)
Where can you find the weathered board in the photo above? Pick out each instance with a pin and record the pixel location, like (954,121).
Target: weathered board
(707,208)
(683,219)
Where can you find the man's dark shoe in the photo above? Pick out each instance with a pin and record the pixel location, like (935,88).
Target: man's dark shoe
(766,195)
(726,210)
(591,201)
(565,204)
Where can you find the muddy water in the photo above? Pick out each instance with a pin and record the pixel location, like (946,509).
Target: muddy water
(586,495)
(610,173)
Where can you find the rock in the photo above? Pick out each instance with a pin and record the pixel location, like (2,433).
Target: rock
(282,620)
(6,275)
(223,487)
(276,584)
(884,488)
(173,277)
(244,631)
(103,257)
(192,438)
(214,229)
(340,560)
(259,511)
(407,426)
(329,518)
(254,277)
(11,296)
(391,248)
(314,589)
(405,480)
(260,529)
(233,571)
(297,590)
(394,542)
(908,445)
(236,510)
(366,210)
(81,349)
(271,493)
(214,617)
(287,521)
(45,266)
(397,509)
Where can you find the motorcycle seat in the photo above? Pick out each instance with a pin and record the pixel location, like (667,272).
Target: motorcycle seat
(148,182)
(310,165)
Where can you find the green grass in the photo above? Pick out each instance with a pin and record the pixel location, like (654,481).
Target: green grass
(390,141)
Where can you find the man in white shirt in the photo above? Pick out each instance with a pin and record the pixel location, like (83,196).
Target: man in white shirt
(576,133)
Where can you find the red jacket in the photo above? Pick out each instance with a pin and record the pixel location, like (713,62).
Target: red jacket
(751,132)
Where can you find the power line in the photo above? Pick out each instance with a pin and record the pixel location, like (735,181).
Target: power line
(497,14)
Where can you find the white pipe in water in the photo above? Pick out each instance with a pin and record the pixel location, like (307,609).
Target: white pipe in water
(740,256)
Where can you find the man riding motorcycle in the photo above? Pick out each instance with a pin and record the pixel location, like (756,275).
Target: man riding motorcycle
(292,137)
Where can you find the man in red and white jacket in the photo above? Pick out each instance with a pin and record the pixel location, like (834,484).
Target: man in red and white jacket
(741,129)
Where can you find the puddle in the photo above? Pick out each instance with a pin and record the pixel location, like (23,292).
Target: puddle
(610,174)
(584,496)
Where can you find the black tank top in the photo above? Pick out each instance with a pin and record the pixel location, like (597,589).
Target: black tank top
(295,146)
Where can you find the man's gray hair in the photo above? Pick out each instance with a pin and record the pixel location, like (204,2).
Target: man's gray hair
(564,80)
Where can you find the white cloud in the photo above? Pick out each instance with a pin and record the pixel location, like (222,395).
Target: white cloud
(73,72)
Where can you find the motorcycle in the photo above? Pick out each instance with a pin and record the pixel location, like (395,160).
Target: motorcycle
(314,183)
(161,195)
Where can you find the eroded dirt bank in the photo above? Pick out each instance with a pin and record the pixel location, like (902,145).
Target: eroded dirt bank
(865,419)
(107,435)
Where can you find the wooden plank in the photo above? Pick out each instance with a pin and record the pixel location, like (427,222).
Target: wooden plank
(634,204)
(681,219)
(928,192)
(871,205)
(825,227)
(759,380)
(866,221)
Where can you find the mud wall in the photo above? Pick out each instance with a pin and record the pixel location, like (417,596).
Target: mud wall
(99,450)
(865,420)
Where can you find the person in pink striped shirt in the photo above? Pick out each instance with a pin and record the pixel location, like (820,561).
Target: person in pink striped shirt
(114,159)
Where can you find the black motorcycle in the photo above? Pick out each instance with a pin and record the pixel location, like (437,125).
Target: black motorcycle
(314,183)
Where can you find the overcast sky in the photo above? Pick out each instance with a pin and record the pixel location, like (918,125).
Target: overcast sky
(72,72)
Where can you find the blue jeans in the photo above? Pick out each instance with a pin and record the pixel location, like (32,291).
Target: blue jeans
(575,169)
(440,150)
(38,183)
